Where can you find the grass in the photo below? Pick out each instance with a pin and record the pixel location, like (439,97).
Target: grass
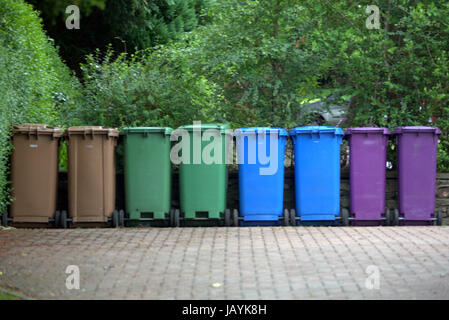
(6,296)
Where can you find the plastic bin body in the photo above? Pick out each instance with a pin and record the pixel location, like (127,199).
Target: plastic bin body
(367,174)
(147,172)
(91,173)
(417,160)
(34,173)
(261,183)
(202,184)
(317,174)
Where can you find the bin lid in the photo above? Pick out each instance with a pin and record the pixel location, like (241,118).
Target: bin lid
(164,130)
(205,126)
(382,130)
(417,129)
(85,130)
(254,130)
(316,129)
(34,128)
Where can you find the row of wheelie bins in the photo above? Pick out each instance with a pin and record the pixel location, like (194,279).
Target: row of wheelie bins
(317,177)
(91,176)
(149,154)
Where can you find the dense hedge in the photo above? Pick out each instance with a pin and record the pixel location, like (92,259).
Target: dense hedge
(34,82)
(267,58)
(256,62)
(144,89)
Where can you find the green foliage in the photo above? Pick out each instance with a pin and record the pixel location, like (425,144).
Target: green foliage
(7,296)
(254,63)
(443,147)
(35,83)
(126,24)
(55,10)
(267,57)
(252,51)
(146,89)
(397,75)
(143,24)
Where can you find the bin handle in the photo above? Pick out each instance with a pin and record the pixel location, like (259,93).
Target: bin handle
(315,132)
(87,131)
(31,132)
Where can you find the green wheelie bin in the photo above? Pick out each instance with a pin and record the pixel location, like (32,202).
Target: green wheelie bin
(203,176)
(148,175)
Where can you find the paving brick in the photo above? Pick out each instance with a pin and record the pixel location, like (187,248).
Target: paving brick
(228,263)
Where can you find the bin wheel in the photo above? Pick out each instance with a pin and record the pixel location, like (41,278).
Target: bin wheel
(115,219)
(57,218)
(171,215)
(5,218)
(388,217)
(286,218)
(293,217)
(63,220)
(176,223)
(439,217)
(235,218)
(395,218)
(345,217)
(227,217)
(121,218)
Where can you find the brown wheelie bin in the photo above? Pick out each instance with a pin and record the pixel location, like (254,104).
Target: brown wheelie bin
(91,176)
(34,174)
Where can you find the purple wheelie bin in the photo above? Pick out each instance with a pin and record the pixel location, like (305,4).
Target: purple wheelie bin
(367,170)
(417,161)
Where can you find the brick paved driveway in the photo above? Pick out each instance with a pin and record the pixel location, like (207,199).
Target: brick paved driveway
(228,263)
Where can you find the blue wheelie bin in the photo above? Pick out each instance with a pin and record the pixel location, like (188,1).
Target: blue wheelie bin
(317,175)
(261,154)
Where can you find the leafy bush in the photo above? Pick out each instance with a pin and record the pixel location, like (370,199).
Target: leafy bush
(443,148)
(256,62)
(144,24)
(146,89)
(268,57)
(126,24)
(253,51)
(397,75)
(34,82)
